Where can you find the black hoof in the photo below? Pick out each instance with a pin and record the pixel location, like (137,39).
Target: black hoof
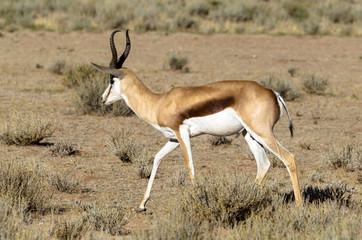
(139,210)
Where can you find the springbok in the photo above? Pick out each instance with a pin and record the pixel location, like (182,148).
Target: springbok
(221,108)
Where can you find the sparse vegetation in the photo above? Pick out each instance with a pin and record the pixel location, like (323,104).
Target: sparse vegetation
(123,146)
(217,141)
(25,129)
(25,185)
(66,184)
(347,156)
(62,149)
(315,84)
(176,63)
(285,89)
(89,85)
(329,17)
(58,67)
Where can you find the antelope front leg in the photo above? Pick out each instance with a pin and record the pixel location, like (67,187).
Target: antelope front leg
(169,147)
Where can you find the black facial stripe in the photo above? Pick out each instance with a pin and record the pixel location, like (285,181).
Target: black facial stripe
(111,81)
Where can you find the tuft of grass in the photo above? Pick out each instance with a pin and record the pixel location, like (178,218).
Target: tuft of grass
(316,177)
(25,129)
(89,85)
(292,71)
(66,185)
(217,141)
(286,90)
(224,199)
(24,183)
(347,156)
(63,149)
(58,67)
(179,179)
(74,227)
(176,63)
(315,84)
(123,146)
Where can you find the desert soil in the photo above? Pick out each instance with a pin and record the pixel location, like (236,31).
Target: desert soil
(321,121)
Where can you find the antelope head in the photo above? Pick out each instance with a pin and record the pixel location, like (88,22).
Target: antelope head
(113,92)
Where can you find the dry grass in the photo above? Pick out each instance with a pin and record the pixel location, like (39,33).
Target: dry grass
(347,156)
(62,149)
(236,208)
(276,17)
(315,84)
(89,85)
(58,67)
(217,141)
(285,89)
(123,146)
(66,184)
(25,129)
(25,185)
(176,63)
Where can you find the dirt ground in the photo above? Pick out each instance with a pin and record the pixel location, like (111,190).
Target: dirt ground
(321,121)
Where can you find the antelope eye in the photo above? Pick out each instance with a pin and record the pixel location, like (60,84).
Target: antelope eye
(111,81)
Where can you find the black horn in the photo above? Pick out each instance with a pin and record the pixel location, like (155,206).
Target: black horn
(126,51)
(113,63)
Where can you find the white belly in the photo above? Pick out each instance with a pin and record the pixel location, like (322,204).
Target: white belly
(223,123)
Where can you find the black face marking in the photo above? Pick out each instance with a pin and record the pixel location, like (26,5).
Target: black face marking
(111,81)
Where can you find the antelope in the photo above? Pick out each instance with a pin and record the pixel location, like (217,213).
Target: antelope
(221,108)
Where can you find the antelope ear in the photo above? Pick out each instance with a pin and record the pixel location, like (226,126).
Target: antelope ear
(110,71)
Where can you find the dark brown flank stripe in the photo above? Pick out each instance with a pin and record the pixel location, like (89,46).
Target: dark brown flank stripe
(206,108)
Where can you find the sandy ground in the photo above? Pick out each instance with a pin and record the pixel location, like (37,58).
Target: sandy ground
(320,121)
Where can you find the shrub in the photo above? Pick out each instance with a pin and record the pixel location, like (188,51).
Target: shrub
(106,218)
(177,63)
(67,185)
(12,225)
(347,156)
(89,84)
(316,177)
(62,149)
(25,129)
(74,227)
(315,84)
(57,67)
(224,199)
(313,221)
(217,141)
(128,150)
(25,185)
(286,90)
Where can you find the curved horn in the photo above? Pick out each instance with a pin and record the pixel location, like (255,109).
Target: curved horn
(113,63)
(126,51)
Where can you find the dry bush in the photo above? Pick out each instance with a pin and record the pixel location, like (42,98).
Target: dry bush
(285,89)
(179,179)
(123,146)
(74,227)
(315,84)
(66,184)
(223,200)
(12,225)
(313,221)
(107,218)
(63,149)
(217,141)
(89,85)
(25,129)
(176,63)
(58,67)
(24,183)
(347,156)
(316,177)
